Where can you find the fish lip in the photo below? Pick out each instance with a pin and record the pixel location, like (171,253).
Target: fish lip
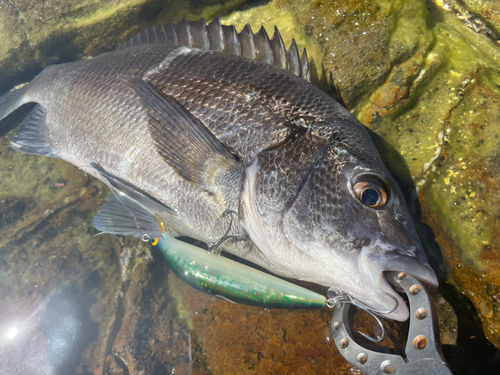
(377,259)
(399,312)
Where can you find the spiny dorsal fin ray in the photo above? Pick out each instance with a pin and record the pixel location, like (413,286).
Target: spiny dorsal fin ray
(293,59)
(218,37)
(279,49)
(171,36)
(248,47)
(232,43)
(305,66)
(183,31)
(199,34)
(264,46)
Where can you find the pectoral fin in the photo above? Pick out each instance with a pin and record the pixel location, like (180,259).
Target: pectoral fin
(182,140)
(123,188)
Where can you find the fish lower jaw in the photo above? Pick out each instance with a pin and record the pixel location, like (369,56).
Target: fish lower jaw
(378,257)
(375,261)
(401,312)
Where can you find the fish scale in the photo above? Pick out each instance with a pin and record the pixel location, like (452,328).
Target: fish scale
(277,171)
(189,134)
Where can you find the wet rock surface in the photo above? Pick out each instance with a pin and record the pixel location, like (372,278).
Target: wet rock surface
(446,131)
(415,73)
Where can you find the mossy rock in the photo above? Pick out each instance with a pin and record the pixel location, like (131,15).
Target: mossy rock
(442,117)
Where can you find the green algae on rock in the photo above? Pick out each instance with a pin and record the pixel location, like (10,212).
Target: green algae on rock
(481,16)
(439,110)
(358,47)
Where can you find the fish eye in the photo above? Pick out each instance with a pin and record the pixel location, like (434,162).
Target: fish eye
(371,191)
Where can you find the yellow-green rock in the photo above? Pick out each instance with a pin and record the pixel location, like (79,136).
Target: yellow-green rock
(439,110)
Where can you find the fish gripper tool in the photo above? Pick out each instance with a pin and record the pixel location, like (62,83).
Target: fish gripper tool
(423,347)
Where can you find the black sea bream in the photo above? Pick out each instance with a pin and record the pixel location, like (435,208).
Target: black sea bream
(192,121)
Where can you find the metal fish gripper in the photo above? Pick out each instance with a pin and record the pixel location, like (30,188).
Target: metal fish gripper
(423,347)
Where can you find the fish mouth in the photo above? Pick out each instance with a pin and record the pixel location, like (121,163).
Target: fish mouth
(376,260)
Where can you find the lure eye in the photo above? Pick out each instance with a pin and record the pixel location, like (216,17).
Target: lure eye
(153,241)
(371,191)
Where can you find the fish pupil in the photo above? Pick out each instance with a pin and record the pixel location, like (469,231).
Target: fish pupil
(370,197)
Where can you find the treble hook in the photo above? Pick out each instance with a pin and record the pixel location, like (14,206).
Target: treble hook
(226,235)
(337,298)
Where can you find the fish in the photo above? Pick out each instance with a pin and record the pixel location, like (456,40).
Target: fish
(192,121)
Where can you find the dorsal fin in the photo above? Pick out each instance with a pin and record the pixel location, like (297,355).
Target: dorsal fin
(279,50)
(217,37)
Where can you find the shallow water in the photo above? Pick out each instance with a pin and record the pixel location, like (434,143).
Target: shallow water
(416,73)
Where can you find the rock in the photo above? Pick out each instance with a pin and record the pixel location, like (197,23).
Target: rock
(480,16)
(444,129)
(358,52)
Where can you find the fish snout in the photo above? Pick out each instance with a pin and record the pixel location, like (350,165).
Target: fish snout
(376,260)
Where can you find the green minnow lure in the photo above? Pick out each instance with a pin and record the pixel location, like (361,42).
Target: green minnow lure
(226,278)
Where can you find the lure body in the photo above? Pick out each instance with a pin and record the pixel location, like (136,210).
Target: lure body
(226,278)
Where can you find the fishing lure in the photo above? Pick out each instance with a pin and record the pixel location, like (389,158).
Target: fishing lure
(226,278)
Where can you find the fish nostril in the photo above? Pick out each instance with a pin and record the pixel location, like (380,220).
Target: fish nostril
(402,220)
(413,251)
(363,242)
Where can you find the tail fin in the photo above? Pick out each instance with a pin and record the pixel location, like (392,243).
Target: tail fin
(32,136)
(12,101)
